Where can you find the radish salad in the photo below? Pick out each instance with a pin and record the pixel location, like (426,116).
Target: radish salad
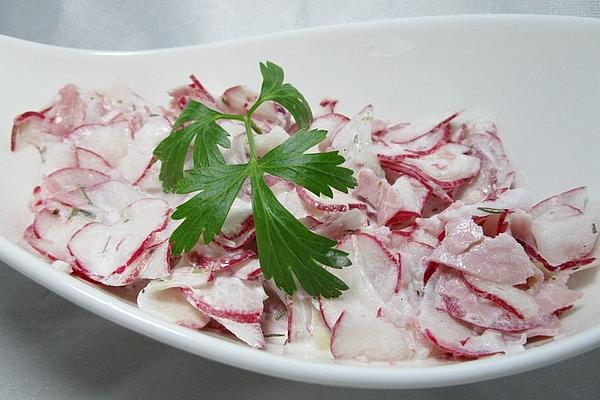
(449,258)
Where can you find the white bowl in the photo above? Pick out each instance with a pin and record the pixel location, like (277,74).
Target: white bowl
(537,77)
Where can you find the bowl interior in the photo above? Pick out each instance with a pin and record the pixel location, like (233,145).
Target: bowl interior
(538,79)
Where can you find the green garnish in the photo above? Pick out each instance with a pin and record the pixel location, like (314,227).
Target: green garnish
(289,252)
(490,210)
(594,230)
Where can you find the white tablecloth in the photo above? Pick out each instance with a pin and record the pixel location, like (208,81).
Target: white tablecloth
(51,349)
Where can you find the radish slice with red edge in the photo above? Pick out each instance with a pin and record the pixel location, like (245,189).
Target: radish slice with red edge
(481,259)
(373,278)
(419,128)
(451,336)
(496,174)
(353,141)
(164,300)
(448,167)
(516,301)
(419,147)
(340,202)
(366,337)
(91,160)
(216,301)
(299,316)
(393,203)
(107,253)
(109,141)
(156,262)
(138,158)
(27,128)
(454,296)
(68,186)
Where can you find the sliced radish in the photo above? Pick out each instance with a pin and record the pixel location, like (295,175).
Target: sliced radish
(198,92)
(557,233)
(496,174)
(268,141)
(27,128)
(328,105)
(299,317)
(428,230)
(554,295)
(399,238)
(106,253)
(419,128)
(493,224)
(394,203)
(400,310)
(236,242)
(126,104)
(516,301)
(166,302)
(337,225)
(340,201)
(139,155)
(156,261)
(419,147)
(446,335)
(67,113)
(331,123)
(56,231)
(250,333)
(238,152)
(108,200)
(414,256)
(216,300)
(41,246)
(456,298)
(110,142)
(89,160)
(180,96)
(57,156)
(373,278)
(150,180)
(575,198)
(448,167)
(452,336)
(353,141)
(225,261)
(290,199)
(238,99)
(462,233)
(274,318)
(239,219)
(247,270)
(481,259)
(550,329)
(368,338)
(69,185)
(564,234)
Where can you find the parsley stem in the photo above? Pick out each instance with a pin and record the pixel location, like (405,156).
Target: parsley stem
(248,124)
(241,118)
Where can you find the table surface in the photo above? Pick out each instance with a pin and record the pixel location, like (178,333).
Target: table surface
(51,349)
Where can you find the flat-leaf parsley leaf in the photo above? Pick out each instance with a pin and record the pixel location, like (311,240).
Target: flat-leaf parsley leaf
(289,252)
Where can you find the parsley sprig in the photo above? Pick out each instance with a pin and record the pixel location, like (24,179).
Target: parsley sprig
(289,253)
